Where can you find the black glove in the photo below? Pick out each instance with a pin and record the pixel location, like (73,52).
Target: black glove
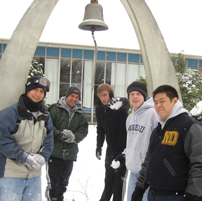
(98,152)
(189,197)
(138,194)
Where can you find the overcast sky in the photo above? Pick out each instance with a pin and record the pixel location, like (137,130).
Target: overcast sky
(178,20)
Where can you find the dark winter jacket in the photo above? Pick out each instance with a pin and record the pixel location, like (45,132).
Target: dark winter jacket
(174,158)
(60,114)
(112,125)
(21,132)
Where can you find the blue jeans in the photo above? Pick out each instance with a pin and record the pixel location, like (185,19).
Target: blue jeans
(131,187)
(20,189)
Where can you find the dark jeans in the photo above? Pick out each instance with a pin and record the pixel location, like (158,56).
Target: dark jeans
(114,178)
(59,172)
(164,198)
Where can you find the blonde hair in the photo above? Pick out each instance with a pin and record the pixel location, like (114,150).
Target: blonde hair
(103,87)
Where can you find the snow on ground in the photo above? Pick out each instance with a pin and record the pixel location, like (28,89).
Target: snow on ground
(197,109)
(87,179)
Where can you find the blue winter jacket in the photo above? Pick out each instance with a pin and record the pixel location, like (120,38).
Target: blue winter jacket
(21,132)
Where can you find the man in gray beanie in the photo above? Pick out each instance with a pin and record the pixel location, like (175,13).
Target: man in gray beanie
(74,90)
(70,127)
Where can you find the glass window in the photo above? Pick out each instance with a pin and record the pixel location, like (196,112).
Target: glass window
(142,71)
(120,80)
(101,55)
(52,51)
(121,56)
(192,63)
(40,51)
(64,75)
(99,78)
(87,84)
(99,74)
(200,63)
(133,58)
(132,73)
(108,72)
(111,56)
(76,71)
(65,52)
(51,72)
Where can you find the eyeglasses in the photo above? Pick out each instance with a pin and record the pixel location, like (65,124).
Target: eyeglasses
(45,83)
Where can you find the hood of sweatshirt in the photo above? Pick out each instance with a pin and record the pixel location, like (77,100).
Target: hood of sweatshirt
(177,109)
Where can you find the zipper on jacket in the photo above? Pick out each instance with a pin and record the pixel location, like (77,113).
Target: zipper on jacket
(170,169)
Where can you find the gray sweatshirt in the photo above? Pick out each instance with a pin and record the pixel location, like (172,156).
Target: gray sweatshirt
(139,126)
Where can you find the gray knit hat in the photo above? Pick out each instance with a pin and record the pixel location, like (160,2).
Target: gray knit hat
(137,86)
(74,90)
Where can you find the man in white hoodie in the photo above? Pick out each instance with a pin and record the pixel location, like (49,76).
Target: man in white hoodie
(173,164)
(139,125)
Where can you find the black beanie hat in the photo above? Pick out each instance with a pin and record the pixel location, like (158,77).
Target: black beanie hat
(137,86)
(31,84)
(74,90)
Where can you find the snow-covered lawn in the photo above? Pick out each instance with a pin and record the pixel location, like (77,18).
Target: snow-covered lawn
(87,180)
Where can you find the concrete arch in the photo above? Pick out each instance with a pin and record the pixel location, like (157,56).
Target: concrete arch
(17,57)
(156,58)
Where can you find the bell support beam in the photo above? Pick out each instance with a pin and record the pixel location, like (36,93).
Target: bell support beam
(17,57)
(156,58)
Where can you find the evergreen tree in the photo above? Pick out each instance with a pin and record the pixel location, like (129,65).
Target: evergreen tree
(35,69)
(190,82)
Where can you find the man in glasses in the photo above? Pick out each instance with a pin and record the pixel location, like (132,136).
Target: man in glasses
(26,143)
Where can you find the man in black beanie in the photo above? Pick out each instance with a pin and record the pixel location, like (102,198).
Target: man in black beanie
(26,141)
(139,125)
(138,86)
(70,127)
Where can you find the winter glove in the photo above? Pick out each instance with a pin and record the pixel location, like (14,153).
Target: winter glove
(31,163)
(39,159)
(118,161)
(66,136)
(189,197)
(115,103)
(138,194)
(98,153)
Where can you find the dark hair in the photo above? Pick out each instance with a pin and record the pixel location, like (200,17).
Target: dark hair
(170,91)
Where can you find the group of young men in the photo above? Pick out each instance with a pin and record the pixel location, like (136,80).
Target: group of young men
(159,143)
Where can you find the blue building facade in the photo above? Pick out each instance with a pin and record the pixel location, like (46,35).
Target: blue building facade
(72,65)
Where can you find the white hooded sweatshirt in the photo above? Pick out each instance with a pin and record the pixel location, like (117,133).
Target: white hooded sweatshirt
(139,126)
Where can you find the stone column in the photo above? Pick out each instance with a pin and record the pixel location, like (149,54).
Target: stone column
(15,62)
(156,58)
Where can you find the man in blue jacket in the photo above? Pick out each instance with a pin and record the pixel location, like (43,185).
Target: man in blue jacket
(26,143)
(173,164)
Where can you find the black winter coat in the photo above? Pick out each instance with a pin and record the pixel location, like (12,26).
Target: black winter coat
(112,125)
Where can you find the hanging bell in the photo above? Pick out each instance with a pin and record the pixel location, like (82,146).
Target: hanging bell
(93,18)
